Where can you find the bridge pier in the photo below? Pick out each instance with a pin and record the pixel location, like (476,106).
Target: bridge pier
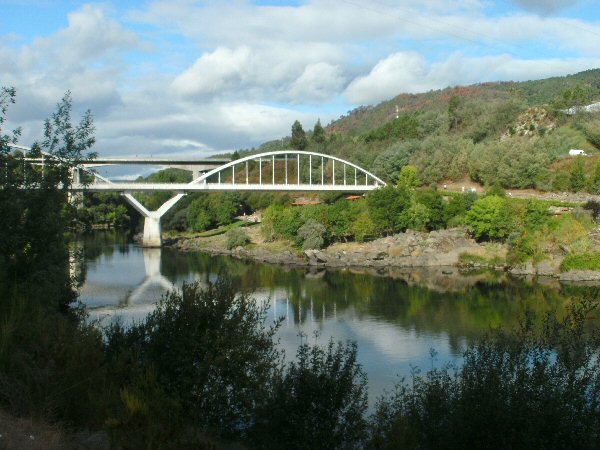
(152,236)
(152,232)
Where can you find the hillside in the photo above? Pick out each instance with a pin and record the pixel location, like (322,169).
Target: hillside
(515,134)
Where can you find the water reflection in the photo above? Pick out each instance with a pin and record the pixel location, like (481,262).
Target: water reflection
(395,320)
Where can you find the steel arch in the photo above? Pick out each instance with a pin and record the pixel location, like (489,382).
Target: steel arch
(256,156)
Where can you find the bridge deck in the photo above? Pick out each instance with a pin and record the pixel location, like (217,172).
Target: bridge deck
(220,187)
(156,161)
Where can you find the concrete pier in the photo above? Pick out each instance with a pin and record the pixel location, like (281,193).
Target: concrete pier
(152,229)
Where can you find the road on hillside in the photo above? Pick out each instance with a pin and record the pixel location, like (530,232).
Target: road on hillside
(578,197)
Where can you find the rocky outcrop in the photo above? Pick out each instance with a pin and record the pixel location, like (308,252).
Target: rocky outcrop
(409,249)
(579,276)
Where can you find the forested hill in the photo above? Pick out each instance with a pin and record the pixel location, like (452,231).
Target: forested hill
(512,133)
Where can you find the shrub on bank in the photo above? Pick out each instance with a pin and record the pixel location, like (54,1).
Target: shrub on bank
(237,237)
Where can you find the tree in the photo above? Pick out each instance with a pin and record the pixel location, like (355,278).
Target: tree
(67,141)
(417,217)
(298,140)
(578,175)
(454,118)
(362,227)
(7,97)
(386,205)
(224,207)
(318,133)
(408,177)
(490,218)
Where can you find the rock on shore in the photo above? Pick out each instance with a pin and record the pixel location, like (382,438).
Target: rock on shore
(409,249)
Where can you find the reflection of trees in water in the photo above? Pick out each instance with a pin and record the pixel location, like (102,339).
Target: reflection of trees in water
(482,301)
(482,304)
(105,243)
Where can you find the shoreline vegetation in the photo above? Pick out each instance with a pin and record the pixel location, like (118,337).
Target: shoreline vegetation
(451,248)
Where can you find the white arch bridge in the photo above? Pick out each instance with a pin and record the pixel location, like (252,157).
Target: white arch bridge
(276,171)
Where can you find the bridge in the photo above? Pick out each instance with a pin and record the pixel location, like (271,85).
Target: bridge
(275,171)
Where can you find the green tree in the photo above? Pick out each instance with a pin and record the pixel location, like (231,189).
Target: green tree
(386,205)
(279,222)
(224,207)
(198,215)
(362,227)
(312,235)
(67,141)
(408,177)
(578,175)
(433,200)
(298,140)
(416,217)
(490,218)
(454,118)
(318,135)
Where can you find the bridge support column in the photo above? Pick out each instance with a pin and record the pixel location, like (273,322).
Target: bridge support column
(75,198)
(152,236)
(152,232)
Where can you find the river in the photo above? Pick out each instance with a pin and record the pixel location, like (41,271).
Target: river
(394,321)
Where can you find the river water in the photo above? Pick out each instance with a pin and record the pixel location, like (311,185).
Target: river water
(395,320)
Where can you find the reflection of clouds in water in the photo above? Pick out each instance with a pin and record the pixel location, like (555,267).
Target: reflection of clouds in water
(385,351)
(394,343)
(125,288)
(110,297)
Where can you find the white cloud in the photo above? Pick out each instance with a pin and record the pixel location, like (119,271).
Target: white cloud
(213,72)
(318,82)
(411,73)
(399,72)
(296,73)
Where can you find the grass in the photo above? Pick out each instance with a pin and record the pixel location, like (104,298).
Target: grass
(470,259)
(581,261)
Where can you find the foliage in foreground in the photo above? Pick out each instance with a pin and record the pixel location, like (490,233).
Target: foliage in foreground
(525,389)
(209,357)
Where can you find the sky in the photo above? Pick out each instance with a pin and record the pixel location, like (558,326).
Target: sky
(195,78)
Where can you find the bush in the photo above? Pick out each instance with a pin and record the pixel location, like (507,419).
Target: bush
(524,389)
(280,222)
(312,235)
(319,403)
(536,214)
(593,207)
(237,237)
(211,353)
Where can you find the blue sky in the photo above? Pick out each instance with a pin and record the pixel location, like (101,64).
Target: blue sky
(198,77)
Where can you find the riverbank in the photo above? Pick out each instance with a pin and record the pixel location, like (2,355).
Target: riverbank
(451,248)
